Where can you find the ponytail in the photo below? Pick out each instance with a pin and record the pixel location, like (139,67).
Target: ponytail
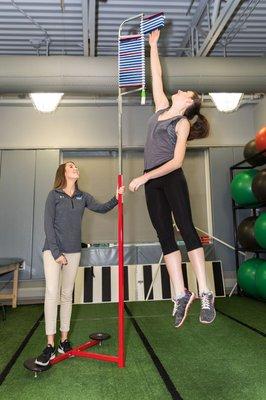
(200,129)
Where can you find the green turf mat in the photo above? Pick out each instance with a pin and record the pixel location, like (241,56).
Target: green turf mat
(221,361)
(88,379)
(18,323)
(247,310)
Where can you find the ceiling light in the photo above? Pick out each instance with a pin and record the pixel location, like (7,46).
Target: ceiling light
(226,102)
(46,102)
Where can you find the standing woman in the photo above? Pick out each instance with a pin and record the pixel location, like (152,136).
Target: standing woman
(166,188)
(64,209)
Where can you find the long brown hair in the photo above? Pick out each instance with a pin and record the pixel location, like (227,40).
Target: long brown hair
(60,179)
(201,128)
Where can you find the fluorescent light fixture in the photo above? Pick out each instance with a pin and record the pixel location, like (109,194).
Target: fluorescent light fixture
(226,102)
(46,102)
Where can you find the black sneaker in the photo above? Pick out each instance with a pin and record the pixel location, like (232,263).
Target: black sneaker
(181,307)
(47,355)
(64,347)
(207,312)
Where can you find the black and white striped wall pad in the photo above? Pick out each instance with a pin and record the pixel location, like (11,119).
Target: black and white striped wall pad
(100,284)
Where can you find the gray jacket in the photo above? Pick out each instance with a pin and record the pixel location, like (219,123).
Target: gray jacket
(62,219)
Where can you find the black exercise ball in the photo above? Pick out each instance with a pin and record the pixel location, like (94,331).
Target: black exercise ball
(259,185)
(246,234)
(250,150)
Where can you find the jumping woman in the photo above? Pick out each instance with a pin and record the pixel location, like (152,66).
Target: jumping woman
(64,209)
(166,189)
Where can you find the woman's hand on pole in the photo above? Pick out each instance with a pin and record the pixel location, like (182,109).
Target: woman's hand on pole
(62,260)
(120,190)
(137,182)
(154,37)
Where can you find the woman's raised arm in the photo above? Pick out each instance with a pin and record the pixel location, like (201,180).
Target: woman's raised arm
(159,96)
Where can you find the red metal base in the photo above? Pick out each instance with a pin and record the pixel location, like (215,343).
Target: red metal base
(79,352)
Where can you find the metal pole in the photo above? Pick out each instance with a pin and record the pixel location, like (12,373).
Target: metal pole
(120,133)
(85,16)
(215,12)
(92,25)
(197,39)
(121,316)
(192,41)
(120,226)
(235,231)
(120,230)
(208,16)
(155,276)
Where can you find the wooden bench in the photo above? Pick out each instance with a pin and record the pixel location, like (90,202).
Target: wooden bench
(10,265)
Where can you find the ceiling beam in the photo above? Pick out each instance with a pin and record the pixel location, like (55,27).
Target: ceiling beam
(216,9)
(85,27)
(218,27)
(92,26)
(195,20)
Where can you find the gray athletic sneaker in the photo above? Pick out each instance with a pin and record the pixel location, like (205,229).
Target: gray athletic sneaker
(181,307)
(207,313)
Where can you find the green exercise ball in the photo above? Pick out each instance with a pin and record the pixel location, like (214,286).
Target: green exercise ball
(260,230)
(246,275)
(261,280)
(241,187)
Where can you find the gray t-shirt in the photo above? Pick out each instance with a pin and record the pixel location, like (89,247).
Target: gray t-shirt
(161,140)
(62,219)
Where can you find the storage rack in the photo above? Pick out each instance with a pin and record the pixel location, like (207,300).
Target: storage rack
(254,207)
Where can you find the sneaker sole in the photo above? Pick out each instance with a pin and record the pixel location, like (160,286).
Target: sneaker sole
(192,298)
(61,351)
(44,364)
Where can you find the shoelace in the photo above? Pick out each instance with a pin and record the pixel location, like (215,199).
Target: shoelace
(205,302)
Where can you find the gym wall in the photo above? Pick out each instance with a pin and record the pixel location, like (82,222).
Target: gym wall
(26,178)
(27,175)
(96,127)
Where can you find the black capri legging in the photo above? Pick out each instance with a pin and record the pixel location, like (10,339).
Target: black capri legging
(163,195)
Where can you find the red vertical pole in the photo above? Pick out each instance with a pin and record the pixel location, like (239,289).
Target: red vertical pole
(121,346)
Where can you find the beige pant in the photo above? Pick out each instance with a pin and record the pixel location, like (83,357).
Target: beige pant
(59,288)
